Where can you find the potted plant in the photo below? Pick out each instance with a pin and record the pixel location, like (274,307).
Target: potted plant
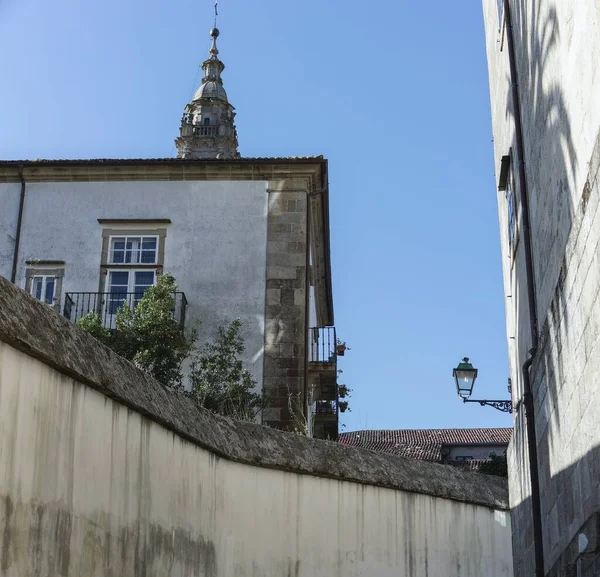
(343,391)
(340,348)
(343,406)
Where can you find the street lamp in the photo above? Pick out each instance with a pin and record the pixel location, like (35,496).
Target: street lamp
(464,377)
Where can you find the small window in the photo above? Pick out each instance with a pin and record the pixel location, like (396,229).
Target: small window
(43,280)
(206,121)
(506,184)
(43,288)
(511,209)
(133,250)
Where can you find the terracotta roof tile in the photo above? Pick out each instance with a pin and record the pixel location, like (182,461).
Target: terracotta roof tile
(424,444)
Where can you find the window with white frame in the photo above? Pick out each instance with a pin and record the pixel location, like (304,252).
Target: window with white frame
(43,288)
(127,286)
(43,280)
(133,250)
(132,259)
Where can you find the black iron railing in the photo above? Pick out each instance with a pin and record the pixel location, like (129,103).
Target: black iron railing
(326,407)
(106,305)
(322,345)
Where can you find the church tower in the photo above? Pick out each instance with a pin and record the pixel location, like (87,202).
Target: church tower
(207,127)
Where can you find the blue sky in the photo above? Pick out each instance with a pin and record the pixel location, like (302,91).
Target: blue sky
(393,93)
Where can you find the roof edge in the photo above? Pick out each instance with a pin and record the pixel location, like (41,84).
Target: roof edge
(155,161)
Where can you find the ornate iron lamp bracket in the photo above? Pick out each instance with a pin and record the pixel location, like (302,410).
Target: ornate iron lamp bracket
(504,406)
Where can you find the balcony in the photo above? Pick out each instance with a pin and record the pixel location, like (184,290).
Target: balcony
(322,375)
(106,305)
(205,130)
(322,343)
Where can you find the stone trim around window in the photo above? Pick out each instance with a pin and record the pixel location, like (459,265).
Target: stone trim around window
(108,232)
(39,261)
(129,221)
(59,273)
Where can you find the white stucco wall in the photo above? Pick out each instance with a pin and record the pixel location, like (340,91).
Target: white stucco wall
(215,245)
(90,488)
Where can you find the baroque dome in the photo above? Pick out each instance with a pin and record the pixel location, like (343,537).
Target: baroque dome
(211,89)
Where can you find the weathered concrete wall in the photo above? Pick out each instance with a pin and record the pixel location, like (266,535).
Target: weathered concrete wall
(215,245)
(107,473)
(559,80)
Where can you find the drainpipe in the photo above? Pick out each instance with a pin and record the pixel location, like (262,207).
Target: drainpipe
(538,544)
(13,275)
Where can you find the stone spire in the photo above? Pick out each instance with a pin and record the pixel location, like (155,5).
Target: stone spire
(207,127)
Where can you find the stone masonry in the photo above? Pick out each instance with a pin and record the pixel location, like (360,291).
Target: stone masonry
(556,43)
(567,403)
(285,307)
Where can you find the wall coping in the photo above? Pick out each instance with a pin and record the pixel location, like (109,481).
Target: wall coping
(35,329)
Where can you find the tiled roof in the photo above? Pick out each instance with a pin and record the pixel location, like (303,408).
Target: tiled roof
(424,444)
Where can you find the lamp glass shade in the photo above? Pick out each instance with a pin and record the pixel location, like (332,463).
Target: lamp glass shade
(464,377)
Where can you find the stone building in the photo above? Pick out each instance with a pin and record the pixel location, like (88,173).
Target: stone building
(545,102)
(244,238)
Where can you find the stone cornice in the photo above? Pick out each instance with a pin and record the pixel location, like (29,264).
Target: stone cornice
(162,169)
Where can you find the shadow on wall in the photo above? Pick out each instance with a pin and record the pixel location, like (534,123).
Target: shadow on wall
(551,167)
(570,498)
(572,525)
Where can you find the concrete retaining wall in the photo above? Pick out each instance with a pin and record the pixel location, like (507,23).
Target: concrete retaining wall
(107,473)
